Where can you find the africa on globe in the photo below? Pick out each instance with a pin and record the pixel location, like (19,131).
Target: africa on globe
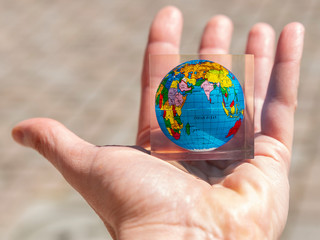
(199,105)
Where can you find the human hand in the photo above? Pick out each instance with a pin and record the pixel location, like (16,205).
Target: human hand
(138,196)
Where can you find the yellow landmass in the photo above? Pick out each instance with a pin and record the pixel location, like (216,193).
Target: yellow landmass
(225,110)
(219,76)
(176,125)
(169,116)
(232,110)
(178,110)
(191,80)
(166,106)
(174,84)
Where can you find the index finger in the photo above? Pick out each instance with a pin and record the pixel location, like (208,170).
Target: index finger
(164,38)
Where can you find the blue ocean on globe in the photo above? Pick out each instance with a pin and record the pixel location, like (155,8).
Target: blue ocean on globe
(199,105)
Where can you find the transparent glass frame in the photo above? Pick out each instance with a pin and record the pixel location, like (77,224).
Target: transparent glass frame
(241,146)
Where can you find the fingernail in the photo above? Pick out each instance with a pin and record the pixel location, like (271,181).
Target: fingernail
(18,136)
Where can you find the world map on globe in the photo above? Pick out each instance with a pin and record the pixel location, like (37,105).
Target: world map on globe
(199,105)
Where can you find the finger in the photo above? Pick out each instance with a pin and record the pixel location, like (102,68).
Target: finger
(216,37)
(108,177)
(164,38)
(281,100)
(261,44)
(66,151)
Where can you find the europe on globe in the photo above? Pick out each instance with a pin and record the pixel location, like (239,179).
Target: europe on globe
(199,105)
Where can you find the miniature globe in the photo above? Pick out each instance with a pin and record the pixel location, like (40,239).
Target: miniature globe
(199,105)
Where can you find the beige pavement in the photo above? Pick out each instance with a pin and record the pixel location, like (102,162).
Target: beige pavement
(79,62)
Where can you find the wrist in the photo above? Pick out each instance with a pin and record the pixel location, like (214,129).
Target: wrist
(163,231)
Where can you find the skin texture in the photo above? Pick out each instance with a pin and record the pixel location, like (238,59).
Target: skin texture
(138,196)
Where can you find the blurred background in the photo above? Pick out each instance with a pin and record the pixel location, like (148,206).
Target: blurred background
(79,62)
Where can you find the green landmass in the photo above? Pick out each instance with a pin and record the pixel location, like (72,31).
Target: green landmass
(224,91)
(188,128)
(164,93)
(199,82)
(192,87)
(177,118)
(167,123)
(235,94)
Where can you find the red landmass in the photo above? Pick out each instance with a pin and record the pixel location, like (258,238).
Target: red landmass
(164,113)
(175,134)
(235,128)
(232,104)
(226,94)
(224,103)
(174,110)
(160,100)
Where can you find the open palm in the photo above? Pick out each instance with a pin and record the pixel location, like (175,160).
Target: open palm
(141,197)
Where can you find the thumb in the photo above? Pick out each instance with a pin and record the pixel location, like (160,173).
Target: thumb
(70,154)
